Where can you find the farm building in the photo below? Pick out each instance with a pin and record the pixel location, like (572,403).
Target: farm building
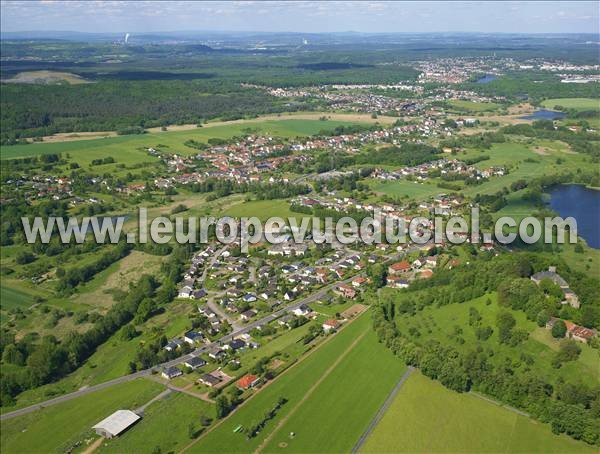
(116,423)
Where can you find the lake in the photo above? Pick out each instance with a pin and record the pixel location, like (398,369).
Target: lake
(486,79)
(584,205)
(544,114)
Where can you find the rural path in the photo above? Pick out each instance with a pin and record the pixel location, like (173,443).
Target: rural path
(309,393)
(165,393)
(95,445)
(386,404)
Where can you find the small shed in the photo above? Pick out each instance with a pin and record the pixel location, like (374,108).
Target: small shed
(116,423)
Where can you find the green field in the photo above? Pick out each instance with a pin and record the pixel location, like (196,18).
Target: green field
(130,149)
(338,380)
(344,403)
(405,188)
(57,428)
(165,425)
(263,209)
(11,298)
(472,106)
(426,417)
(573,103)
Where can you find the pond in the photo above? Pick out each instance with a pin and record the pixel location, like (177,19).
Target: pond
(486,79)
(545,115)
(584,205)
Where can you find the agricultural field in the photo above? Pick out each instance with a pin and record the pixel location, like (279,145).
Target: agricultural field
(426,417)
(471,106)
(320,399)
(572,103)
(264,209)
(60,427)
(130,149)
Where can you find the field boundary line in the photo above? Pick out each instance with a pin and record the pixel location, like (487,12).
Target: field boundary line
(290,367)
(500,404)
(310,391)
(382,410)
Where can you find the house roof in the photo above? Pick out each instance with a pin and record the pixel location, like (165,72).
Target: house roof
(246,380)
(581,331)
(332,322)
(195,362)
(210,379)
(117,422)
(400,266)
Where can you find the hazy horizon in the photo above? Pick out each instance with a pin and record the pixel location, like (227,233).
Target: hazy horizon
(534,17)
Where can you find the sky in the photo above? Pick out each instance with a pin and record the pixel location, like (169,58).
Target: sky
(300,16)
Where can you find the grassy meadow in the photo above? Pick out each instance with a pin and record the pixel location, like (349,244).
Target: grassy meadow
(450,325)
(329,391)
(56,429)
(165,425)
(572,103)
(426,417)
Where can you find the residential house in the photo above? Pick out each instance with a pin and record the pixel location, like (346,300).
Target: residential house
(173,345)
(194,363)
(247,315)
(209,380)
(397,282)
(171,372)
(399,268)
(345,290)
(301,310)
(330,325)
(193,337)
(248,381)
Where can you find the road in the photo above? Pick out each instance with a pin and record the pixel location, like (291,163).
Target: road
(245,329)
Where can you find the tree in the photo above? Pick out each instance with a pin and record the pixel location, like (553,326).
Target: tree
(24,257)
(543,317)
(568,350)
(559,329)
(222,405)
(192,431)
(12,355)
(505,323)
(377,273)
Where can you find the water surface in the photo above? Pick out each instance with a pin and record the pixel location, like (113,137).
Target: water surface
(584,205)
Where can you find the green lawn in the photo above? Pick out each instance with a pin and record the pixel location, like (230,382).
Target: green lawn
(57,428)
(573,103)
(165,425)
(426,417)
(339,408)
